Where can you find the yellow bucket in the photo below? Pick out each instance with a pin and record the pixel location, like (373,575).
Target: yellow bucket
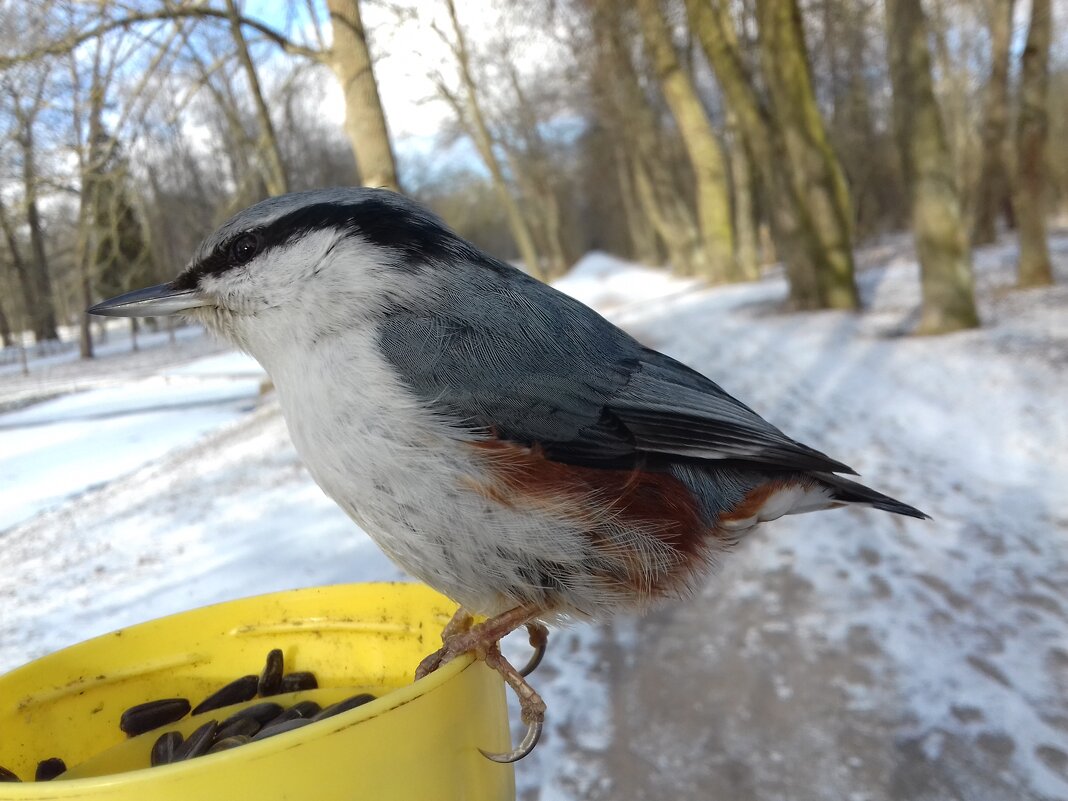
(415,741)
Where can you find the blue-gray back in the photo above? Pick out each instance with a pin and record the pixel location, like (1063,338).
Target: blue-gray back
(514,357)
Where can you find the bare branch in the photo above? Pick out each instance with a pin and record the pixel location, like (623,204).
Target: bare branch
(78,38)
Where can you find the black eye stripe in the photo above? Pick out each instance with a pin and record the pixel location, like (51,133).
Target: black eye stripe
(417,236)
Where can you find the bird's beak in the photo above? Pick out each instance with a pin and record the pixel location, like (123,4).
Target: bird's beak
(155,301)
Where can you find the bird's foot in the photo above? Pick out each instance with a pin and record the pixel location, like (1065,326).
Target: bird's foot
(462,636)
(531,705)
(460,623)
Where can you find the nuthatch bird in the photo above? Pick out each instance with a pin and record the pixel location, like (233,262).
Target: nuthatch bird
(498,439)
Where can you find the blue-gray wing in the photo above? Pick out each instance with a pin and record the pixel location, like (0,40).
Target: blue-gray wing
(515,358)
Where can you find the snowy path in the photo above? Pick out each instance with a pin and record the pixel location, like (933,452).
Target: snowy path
(848,655)
(58,448)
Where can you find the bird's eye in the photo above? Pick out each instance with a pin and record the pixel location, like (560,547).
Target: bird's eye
(244,248)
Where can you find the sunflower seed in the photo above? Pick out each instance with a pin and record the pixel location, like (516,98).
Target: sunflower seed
(146,717)
(165,748)
(298,680)
(48,769)
(242,689)
(8,776)
(344,706)
(305,709)
(198,743)
(280,728)
(261,713)
(242,727)
(226,743)
(271,678)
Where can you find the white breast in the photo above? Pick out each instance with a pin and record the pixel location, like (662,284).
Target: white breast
(405,475)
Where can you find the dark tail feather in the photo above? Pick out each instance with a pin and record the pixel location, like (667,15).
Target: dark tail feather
(851,492)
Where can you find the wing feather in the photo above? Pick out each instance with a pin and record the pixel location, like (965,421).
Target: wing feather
(515,358)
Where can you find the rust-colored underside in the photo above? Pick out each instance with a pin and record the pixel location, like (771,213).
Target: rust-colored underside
(593,498)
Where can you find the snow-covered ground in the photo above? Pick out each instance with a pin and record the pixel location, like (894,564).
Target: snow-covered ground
(845,655)
(57,448)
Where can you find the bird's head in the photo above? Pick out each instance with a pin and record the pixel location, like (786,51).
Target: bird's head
(303,265)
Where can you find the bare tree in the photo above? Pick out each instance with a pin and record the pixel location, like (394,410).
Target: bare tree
(275,173)
(18,264)
(1031,134)
(937,223)
(993,194)
(6,336)
(816,172)
(795,240)
(529,158)
(619,91)
(365,121)
(746,237)
(471,113)
(699,139)
(26,107)
(347,56)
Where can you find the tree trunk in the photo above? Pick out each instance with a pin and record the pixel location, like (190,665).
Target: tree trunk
(43,314)
(791,229)
(817,174)
(861,145)
(1031,133)
(632,116)
(83,257)
(365,123)
(642,235)
(524,241)
(29,294)
(5,329)
(678,241)
(993,190)
(937,224)
(532,171)
(274,176)
(92,161)
(702,147)
(746,241)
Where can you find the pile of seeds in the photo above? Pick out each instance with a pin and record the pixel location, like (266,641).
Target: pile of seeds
(251,724)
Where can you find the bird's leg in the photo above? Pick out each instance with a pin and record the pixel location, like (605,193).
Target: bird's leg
(460,622)
(484,640)
(538,636)
(531,705)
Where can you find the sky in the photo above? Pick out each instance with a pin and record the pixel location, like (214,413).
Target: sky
(407,51)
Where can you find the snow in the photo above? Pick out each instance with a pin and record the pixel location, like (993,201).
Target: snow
(52,450)
(849,654)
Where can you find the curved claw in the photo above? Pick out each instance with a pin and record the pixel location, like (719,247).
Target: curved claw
(540,640)
(529,741)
